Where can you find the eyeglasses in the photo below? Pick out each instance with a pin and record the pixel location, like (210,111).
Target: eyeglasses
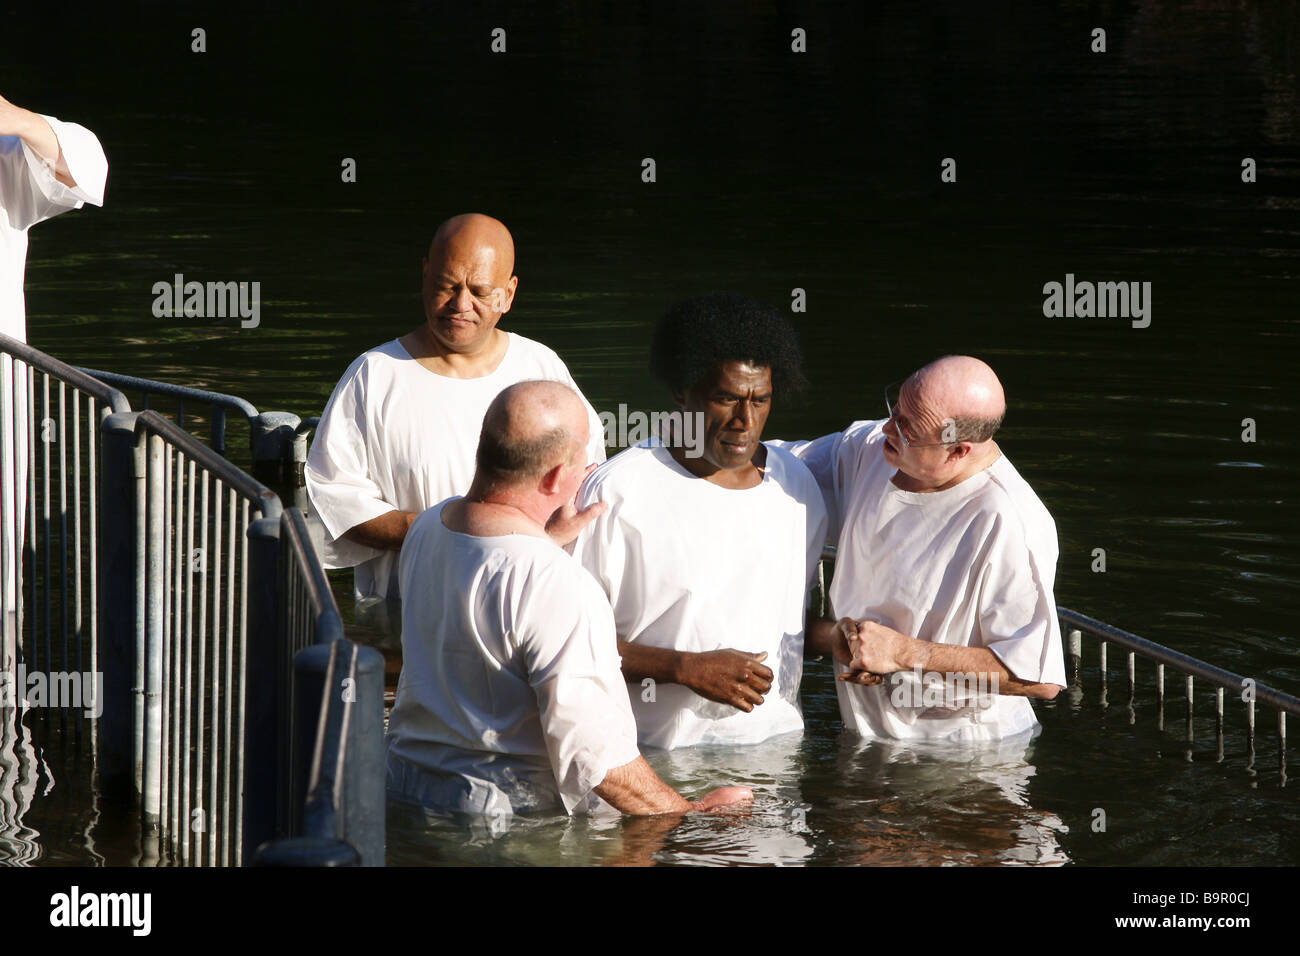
(898,426)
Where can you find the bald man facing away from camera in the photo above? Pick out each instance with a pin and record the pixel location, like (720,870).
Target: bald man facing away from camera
(511,699)
(945,566)
(400,429)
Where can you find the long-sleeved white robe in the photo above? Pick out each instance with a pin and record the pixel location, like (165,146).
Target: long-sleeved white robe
(30,193)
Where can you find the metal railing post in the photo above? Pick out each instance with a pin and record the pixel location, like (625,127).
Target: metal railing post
(342,801)
(119,478)
(261,703)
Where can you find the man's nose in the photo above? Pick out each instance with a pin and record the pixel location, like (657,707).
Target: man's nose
(464,300)
(744,416)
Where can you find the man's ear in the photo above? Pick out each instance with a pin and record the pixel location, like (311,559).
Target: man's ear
(551,481)
(510,288)
(959,451)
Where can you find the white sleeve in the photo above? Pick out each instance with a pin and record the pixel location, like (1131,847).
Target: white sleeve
(596,441)
(338,473)
(1018,619)
(600,547)
(29,191)
(822,456)
(574,670)
(818,525)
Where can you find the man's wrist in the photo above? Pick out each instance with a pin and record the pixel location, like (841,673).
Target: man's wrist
(916,654)
(679,668)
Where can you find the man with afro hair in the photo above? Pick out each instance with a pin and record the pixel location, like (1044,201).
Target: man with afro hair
(708,553)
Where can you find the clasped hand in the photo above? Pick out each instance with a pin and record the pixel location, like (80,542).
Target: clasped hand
(872,651)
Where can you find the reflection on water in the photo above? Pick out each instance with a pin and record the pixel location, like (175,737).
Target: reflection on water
(891,805)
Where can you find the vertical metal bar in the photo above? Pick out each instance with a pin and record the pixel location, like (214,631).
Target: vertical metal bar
(1075,662)
(216,814)
(1132,675)
(1250,735)
(1281,747)
(1160,696)
(156,584)
(195,688)
(1102,664)
(10,565)
(182,688)
(93,422)
(1188,690)
(78,632)
(141,569)
(238,835)
(63,547)
(821,587)
(45,525)
(168,685)
(219,429)
(201,683)
(229,683)
(29,550)
(1218,721)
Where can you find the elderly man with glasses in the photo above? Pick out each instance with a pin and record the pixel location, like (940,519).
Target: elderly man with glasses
(944,569)
(399,433)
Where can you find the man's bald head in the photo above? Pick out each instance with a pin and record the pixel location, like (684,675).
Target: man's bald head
(529,429)
(474,236)
(964,389)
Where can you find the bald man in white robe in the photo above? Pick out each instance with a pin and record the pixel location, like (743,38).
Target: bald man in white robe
(399,432)
(945,566)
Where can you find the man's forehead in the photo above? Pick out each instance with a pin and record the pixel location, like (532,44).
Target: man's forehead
(740,374)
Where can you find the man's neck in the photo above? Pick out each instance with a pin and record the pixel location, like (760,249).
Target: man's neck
(496,513)
(906,482)
(750,476)
(425,348)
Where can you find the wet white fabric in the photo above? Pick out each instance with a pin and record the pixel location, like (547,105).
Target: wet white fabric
(395,435)
(973,566)
(29,194)
(510,697)
(695,567)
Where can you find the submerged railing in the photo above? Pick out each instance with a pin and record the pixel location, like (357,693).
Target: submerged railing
(199,600)
(1247,690)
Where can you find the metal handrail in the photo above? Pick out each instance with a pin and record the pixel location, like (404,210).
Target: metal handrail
(76,377)
(1184,663)
(175,391)
(219,402)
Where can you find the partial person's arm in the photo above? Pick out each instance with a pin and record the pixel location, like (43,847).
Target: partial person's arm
(343,481)
(636,789)
(585,715)
(727,676)
(36,134)
(387,532)
(879,650)
(53,167)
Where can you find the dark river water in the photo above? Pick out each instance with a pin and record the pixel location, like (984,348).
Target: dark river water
(775,171)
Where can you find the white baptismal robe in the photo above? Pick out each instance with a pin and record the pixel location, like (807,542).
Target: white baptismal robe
(695,567)
(972,566)
(396,436)
(29,194)
(510,697)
